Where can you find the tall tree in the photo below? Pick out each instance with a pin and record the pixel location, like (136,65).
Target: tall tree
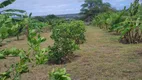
(93,7)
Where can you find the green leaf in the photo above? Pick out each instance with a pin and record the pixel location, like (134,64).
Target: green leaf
(2,56)
(6,3)
(14,10)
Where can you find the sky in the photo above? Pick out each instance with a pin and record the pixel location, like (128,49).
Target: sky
(45,7)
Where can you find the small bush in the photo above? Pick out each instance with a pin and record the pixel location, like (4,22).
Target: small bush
(66,37)
(78,31)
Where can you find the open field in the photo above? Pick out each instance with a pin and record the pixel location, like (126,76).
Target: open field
(102,57)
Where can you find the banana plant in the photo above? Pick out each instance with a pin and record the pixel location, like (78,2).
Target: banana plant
(6,3)
(132,26)
(5,25)
(7,22)
(10,12)
(34,41)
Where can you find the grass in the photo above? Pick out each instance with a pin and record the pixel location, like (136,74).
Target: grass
(102,57)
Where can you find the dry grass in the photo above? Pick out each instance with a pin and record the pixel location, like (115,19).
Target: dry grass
(102,57)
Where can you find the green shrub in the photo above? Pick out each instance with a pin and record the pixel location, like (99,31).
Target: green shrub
(131,30)
(55,22)
(78,31)
(64,44)
(66,37)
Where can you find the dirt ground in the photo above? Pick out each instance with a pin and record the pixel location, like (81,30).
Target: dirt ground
(102,57)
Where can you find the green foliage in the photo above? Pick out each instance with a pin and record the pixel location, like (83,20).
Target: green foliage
(78,31)
(55,22)
(103,20)
(90,8)
(11,12)
(132,28)
(51,20)
(35,24)
(63,45)
(34,41)
(14,10)
(6,3)
(5,75)
(109,20)
(8,25)
(5,26)
(39,18)
(59,74)
(65,36)
(52,16)
(21,67)
(7,21)
(13,51)
(41,57)
(18,68)
(127,23)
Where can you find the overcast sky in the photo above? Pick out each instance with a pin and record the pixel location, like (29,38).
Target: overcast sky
(44,7)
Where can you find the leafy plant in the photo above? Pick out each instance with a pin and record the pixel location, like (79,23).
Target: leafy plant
(6,3)
(5,75)
(5,25)
(13,51)
(127,23)
(91,8)
(78,31)
(66,38)
(17,69)
(132,31)
(34,41)
(7,20)
(59,74)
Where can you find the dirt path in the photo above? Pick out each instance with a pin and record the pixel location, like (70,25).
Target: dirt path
(102,57)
